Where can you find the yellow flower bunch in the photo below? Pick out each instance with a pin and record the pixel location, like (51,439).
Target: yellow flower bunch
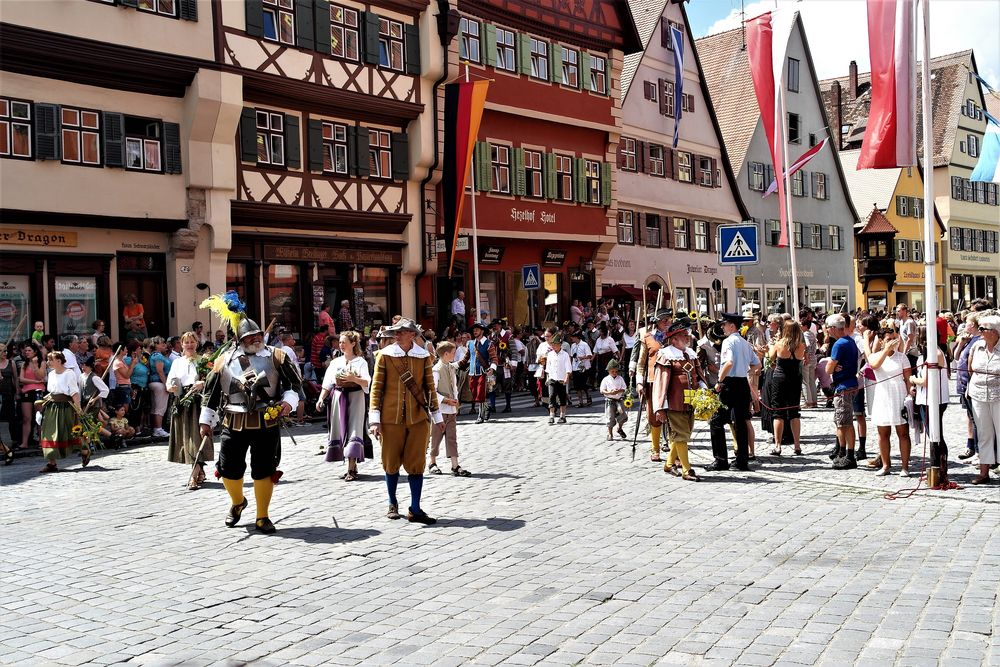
(272,413)
(628,403)
(502,346)
(704,401)
(76,430)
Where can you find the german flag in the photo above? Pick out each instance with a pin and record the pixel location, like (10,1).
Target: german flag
(463,111)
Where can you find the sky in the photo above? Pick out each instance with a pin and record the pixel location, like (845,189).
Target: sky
(956,25)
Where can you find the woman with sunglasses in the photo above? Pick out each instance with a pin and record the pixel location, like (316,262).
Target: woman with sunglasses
(892,372)
(984,393)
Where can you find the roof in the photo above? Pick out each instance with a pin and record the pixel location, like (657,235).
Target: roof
(869,186)
(877,223)
(993,103)
(646,15)
(949,75)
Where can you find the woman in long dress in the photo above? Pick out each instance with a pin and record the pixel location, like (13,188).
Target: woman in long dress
(185,439)
(347,379)
(892,371)
(61,429)
(785,386)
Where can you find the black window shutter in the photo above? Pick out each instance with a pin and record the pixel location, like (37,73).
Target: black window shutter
(255,22)
(412,50)
(248,135)
(363,166)
(662,96)
(750,174)
(305,26)
(315,145)
(371,38)
(322,26)
(400,156)
(114,139)
(352,149)
(48,139)
(134,4)
(189,10)
(293,144)
(171,148)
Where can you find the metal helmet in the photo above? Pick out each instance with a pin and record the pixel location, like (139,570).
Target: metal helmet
(246,328)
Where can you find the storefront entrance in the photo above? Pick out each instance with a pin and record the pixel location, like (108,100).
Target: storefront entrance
(143,276)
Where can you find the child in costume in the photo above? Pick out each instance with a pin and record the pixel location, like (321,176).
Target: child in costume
(613,389)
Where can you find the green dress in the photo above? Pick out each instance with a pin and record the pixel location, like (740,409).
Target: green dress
(59,418)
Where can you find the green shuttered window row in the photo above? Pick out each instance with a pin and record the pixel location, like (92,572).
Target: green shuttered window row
(590,179)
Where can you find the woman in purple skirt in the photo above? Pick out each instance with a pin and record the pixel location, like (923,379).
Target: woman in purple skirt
(347,381)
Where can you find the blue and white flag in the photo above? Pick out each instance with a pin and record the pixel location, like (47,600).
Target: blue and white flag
(677,37)
(988,168)
(981,80)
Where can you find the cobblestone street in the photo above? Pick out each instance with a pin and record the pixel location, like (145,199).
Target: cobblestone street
(559,550)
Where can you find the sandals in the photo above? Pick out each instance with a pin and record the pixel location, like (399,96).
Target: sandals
(193,484)
(775,452)
(350,476)
(690,475)
(393,512)
(670,470)
(85,455)
(460,472)
(655,459)
(433,469)
(50,467)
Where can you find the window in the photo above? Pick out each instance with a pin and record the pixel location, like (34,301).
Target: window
(469,42)
(570,67)
(598,74)
(816,238)
(142,144)
(665,38)
(956,187)
(270,138)
(539,59)
(668,99)
(593,175)
(705,174)
(812,139)
(918,207)
(980,188)
(902,247)
(626,228)
(500,168)
(819,185)
(980,240)
(991,193)
(649,90)
(505,50)
(793,75)
(81,136)
(967,190)
(967,235)
(797,229)
(335,148)
(344,34)
(390,44)
(279,21)
(652,231)
(773,232)
(379,153)
(798,184)
(628,154)
(794,129)
(564,177)
(845,129)
(833,231)
(902,206)
(533,173)
(655,159)
(956,238)
(876,249)
(700,235)
(917,250)
(684,167)
(680,233)
(15,128)
(164,7)
(973,144)
(757,176)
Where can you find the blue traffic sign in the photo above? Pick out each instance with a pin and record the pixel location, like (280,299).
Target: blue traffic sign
(738,245)
(531,277)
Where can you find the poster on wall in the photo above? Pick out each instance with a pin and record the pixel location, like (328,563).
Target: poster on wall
(15,308)
(76,304)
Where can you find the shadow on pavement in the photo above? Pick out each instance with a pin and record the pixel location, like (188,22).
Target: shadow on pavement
(321,534)
(493,523)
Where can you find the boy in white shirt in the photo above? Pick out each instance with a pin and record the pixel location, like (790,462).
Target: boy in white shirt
(446,384)
(558,370)
(613,390)
(580,354)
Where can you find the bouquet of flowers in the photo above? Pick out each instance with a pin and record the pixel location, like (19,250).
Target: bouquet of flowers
(628,400)
(704,401)
(88,430)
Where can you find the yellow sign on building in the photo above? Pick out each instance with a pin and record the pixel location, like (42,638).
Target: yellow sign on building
(37,237)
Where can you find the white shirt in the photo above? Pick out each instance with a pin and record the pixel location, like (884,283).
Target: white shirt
(557,365)
(613,385)
(629,341)
(63,383)
(291,354)
(357,365)
(605,345)
(578,351)
(944,395)
(102,389)
(458,307)
(445,408)
(739,352)
(541,353)
(183,373)
(460,353)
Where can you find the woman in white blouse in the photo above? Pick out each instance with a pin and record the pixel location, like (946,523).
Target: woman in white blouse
(984,392)
(347,379)
(185,437)
(892,371)
(60,420)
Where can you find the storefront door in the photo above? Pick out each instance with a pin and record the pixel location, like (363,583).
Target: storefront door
(144,276)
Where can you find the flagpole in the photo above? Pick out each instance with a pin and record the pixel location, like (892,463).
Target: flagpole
(475,237)
(930,258)
(783,173)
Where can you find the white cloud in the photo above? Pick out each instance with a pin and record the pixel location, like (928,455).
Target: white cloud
(837,31)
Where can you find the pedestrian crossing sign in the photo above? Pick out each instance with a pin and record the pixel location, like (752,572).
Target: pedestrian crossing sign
(530,277)
(738,244)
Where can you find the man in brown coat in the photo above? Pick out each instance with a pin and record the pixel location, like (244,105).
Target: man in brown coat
(402,405)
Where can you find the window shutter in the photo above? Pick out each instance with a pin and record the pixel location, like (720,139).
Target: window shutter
(321,23)
(961,146)
(579,180)
(134,4)
(750,174)
(520,179)
(716,174)
(171,148)
(551,181)
(690,103)
(490,44)
(640,156)
(255,24)
(665,239)
(555,62)
(584,76)
(524,54)
(48,136)
(620,154)
(362,151)
(315,137)
(605,184)
(412,50)
(668,163)
(189,10)
(661,97)
(248,135)
(637,228)
(676,166)
(481,163)
(665,33)
(400,143)
(305,31)
(293,143)
(113,125)
(371,38)
(812,182)
(899,210)
(768,175)
(352,149)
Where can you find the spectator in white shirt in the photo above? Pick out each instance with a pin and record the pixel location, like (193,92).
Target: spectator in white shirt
(458,307)
(558,370)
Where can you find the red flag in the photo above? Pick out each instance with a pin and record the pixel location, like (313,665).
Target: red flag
(890,136)
(798,164)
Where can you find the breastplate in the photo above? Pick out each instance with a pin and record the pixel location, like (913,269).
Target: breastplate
(233,374)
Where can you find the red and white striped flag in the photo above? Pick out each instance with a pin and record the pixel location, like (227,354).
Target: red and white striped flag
(890,136)
(798,164)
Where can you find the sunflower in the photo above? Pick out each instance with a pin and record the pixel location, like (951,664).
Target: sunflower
(502,346)
(628,403)
(76,430)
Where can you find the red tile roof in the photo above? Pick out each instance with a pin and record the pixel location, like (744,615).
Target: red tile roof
(877,223)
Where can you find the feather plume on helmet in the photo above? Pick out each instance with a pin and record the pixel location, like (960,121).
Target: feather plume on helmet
(229,308)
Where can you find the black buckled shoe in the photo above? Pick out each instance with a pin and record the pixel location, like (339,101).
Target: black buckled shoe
(265,526)
(234,513)
(717,466)
(420,517)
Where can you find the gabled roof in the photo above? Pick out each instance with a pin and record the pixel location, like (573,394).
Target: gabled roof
(869,186)
(646,14)
(993,103)
(949,75)
(877,223)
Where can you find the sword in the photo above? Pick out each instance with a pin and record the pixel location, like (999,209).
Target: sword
(205,440)
(638,418)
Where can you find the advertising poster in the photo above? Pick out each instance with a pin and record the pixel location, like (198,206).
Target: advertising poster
(14,308)
(76,304)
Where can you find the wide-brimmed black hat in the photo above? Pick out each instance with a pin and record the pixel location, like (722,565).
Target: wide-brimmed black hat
(679,325)
(496,321)
(735,318)
(477,325)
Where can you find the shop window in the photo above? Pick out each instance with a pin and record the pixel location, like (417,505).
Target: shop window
(533,173)
(162,7)
(838,300)
(469,40)
(552,283)
(81,137)
(570,67)
(592,169)
(564,177)
(15,128)
(626,227)
(539,59)
(75,303)
(379,154)
(700,235)
(390,44)
(283,300)
(335,148)
(344,33)
(279,21)
(505,50)
(628,154)
(236,279)
(143,144)
(375,282)
(500,168)
(798,184)
(598,74)
(775,300)
(656,160)
(684,170)
(816,298)
(680,234)
(15,290)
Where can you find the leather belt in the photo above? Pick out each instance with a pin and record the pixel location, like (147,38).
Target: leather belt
(247,421)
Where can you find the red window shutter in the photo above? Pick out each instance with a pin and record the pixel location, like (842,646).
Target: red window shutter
(621,153)
(691,103)
(665,229)
(661,97)
(641,152)
(716,174)
(664,33)
(637,228)
(675,167)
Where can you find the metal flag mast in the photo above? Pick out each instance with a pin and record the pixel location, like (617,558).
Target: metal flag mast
(475,237)
(788,198)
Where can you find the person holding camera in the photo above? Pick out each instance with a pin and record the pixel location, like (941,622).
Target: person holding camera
(892,373)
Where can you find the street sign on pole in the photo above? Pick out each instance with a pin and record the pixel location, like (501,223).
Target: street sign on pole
(739,281)
(530,277)
(738,245)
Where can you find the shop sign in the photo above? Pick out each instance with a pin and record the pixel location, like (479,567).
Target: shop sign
(461,244)
(801,273)
(711,270)
(332,255)
(39,237)
(578,277)
(14,307)
(553,257)
(76,304)
(974,258)
(490,254)
(531,215)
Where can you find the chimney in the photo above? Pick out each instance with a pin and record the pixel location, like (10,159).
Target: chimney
(838,100)
(853,80)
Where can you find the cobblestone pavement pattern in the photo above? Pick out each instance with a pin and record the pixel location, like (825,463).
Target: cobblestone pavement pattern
(558,551)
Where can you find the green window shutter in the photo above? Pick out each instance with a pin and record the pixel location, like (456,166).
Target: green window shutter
(524,48)
(520,180)
(605,184)
(48,133)
(114,138)
(255,22)
(412,34)
(580,180)
(584,70)
(322,26)
(490,44)
(551,182)
(305,26)
(188,10)
(248,135)
(400,156)
(315,135)
(370,38)
(362,152)
(293,144)
(481,157)
(171,148)
(555,62)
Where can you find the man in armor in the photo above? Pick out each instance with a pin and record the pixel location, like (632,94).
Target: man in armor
(250,389)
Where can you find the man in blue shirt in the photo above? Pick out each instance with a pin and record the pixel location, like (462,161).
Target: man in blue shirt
(843,369)
(737,358)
